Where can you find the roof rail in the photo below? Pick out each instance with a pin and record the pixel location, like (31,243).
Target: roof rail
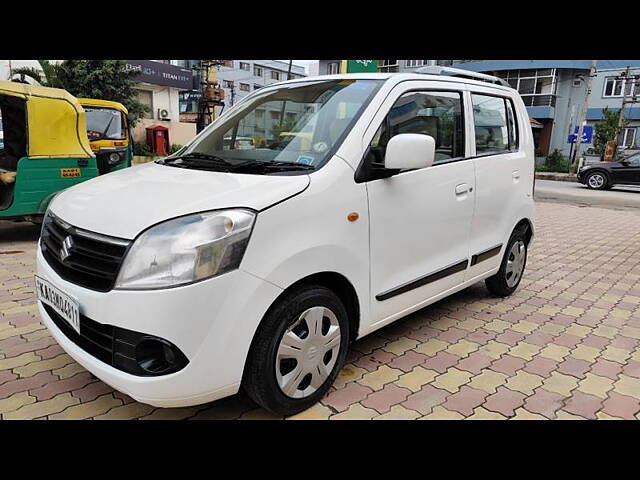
(459,72)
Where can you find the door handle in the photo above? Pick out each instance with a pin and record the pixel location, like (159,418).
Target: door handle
(462,188)
(516,174)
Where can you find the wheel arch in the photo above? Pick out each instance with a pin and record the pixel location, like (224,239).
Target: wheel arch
(605,172)
(527,225)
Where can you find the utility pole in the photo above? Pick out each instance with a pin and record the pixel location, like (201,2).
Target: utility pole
(582,118)
(625,82)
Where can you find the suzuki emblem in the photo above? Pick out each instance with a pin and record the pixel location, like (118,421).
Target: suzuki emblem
(65,251)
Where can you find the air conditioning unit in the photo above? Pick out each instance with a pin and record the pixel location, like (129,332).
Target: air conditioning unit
(163,114)
(577,82)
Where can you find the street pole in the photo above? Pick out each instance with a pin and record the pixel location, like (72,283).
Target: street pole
(581,119)
(624,101)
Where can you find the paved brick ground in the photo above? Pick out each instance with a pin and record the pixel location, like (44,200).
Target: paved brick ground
(565,346)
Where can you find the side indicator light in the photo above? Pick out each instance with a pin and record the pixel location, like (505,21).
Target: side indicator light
(353,216)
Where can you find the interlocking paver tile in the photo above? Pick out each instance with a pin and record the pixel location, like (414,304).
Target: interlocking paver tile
(440,413)
(426,399)
(488,381)
(462,348)
(474,363)
(15,401)
(617,355)
(341,399)
(523,414)
(621,406)
(524,350)
(596,385)
(574,367)
(89,409)
(632,369)
(408,361)
(43,365)
(554,352)
(42,409)
(453,334)
(137,410)
(541,366)
(494,349)
(52,389)
(348,374)
(355,412)
(508,365)
(481,413)
(583,404)
(441,361)
(377,379)
(544,403)
(384,399)
(465,400)
(24,384)
(582,352)
(398,412)
(431,347)
(416,378)
(524,382)
(627,386)
(452,380)
(560,383)
(400,346)
(504,401)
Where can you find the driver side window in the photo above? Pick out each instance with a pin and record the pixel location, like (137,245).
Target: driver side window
(438,114)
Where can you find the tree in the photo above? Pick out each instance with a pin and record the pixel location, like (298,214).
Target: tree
(47,76)
(606,130)
(103,79)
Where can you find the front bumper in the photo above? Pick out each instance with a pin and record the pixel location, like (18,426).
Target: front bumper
(212,322)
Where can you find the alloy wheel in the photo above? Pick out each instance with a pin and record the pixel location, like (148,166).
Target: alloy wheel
(596,180)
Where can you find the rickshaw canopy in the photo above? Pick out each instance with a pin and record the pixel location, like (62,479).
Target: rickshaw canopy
(55,121)
(94,102)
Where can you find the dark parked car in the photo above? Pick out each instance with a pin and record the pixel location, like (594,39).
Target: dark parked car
(604,175)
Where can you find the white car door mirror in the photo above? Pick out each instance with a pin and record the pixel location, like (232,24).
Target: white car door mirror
(410,151)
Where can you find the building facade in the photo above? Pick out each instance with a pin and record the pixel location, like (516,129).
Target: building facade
(330,67)
(238,78)
(555,90)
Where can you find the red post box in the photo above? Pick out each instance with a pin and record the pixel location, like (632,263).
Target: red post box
(158,140)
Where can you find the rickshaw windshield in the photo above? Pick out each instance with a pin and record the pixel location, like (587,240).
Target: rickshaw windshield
(104,124)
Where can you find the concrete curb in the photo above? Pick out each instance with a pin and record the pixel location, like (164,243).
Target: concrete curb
(557,176)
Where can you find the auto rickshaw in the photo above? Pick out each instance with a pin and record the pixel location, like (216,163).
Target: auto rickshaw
(109,133)
(45,149)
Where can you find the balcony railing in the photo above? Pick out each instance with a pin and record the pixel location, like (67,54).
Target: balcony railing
(539,100)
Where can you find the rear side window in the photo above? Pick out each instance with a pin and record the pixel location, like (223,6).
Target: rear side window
(438,114)
(495,124)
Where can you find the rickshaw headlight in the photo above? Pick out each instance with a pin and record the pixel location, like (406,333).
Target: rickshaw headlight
(186,250)
(114,158)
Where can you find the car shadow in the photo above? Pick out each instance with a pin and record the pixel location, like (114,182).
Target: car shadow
(11,232)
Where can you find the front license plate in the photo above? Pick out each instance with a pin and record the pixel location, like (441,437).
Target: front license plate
(63,304)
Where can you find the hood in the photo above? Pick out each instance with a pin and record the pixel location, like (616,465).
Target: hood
(125,202)
(601,164)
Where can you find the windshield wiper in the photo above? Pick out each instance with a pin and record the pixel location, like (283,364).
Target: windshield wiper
(276,165)
(191,160)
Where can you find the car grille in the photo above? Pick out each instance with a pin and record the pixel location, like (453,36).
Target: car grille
(87,259)
(112,345)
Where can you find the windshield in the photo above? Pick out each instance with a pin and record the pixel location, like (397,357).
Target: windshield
(299,124)
(104,124)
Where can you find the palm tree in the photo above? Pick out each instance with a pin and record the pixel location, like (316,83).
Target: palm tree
(47,75)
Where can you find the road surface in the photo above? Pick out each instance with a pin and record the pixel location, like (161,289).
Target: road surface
(620,198)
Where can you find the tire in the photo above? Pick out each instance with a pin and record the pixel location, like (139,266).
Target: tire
(271,363)
(503,283)
(597,181)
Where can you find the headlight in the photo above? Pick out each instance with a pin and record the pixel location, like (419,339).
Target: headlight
(186,250)
(114,158)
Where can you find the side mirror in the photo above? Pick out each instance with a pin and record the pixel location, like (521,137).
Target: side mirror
(409,151)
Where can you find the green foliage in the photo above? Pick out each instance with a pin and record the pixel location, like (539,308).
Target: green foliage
(606,130)
(285,126)
(103,79)
(47,76)
(555,162)
(142,149)
(175,147)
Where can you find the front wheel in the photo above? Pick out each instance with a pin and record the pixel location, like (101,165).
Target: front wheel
(298,351)
(505,282)
(597,181)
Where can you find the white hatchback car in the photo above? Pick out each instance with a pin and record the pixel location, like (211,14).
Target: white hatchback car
(179,282)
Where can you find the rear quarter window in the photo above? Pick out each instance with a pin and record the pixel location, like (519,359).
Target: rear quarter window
(495,124)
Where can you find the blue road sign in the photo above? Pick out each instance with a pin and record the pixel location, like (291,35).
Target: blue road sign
(587,135)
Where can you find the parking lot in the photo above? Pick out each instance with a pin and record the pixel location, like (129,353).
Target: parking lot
(565,346)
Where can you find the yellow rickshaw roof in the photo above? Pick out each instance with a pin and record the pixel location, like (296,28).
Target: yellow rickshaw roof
(55,121)
(95,102)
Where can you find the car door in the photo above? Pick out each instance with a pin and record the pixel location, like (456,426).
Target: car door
(503,161)
(627,171)
(420,219)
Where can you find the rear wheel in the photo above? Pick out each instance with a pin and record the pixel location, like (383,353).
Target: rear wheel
(597,181)
(506,281)
(298,350)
